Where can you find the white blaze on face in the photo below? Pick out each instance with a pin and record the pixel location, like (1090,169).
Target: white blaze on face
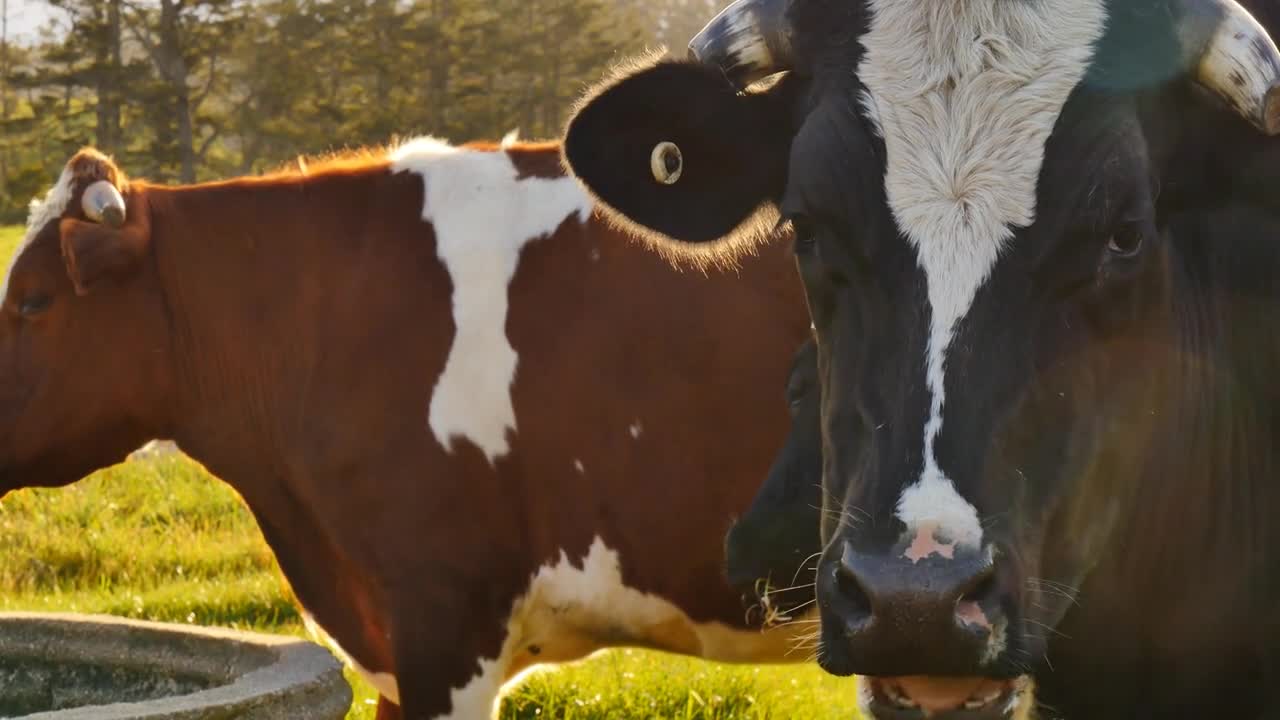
(41,213)
(965,94)
(483,215)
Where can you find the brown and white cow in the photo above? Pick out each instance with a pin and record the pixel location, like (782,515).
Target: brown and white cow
(479,428)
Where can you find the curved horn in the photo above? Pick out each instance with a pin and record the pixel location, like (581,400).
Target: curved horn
(102,203)
(749,40)
(1233,57)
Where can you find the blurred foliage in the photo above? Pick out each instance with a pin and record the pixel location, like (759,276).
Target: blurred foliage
(184,90)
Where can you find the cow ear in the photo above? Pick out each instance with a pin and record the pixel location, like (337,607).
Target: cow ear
(95,252)
(673,150)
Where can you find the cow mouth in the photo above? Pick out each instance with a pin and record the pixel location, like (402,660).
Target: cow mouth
(941,698)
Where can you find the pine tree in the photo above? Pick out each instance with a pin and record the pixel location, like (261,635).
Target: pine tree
(186,41)
(191,89)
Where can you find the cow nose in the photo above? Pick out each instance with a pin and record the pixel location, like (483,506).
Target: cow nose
(933,616)
(945,591)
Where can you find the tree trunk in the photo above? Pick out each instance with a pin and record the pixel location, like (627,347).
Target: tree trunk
(108,81)
(551,99)
(116,38)
(531,89)
(4,98)
(438,82)
(4,61)
(186,138)
(165,49)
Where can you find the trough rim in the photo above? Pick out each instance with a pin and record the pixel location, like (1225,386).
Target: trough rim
(294,669)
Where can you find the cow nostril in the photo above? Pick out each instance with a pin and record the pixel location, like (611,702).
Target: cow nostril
(978,599)
(981,588)
(855,598)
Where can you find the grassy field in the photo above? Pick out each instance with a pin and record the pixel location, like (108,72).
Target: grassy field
(160,539)
(9,237)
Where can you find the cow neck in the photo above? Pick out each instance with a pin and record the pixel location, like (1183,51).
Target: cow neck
(254,273)
(249,268)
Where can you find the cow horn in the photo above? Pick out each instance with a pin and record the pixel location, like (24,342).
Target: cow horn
(102,203)
(748,41)
(1234,57)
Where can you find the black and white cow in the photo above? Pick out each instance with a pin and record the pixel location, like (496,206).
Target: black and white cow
(1039,241)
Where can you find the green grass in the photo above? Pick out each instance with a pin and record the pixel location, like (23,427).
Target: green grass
(160,539)
(10,235)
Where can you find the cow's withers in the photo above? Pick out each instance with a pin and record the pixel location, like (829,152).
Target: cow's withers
(1036,240)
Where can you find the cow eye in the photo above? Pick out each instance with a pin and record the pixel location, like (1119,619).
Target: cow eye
(35,304)
(1126,241)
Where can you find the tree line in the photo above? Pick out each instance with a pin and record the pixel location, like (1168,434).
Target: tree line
(187,90)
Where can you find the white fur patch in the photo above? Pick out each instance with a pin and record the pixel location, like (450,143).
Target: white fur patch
(384,683)
(478,699)
(483,216)
(965,94)
(998,641)
(41,213)
(866,696)
(567,613)
(636,429)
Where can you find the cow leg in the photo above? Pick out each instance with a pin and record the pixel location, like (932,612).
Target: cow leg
(428,698)
(450,664)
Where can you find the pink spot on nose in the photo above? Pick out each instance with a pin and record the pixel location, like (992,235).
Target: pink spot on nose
(925,545)
(970,613)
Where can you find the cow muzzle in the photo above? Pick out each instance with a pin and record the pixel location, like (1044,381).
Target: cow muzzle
(946,698)
(930,636)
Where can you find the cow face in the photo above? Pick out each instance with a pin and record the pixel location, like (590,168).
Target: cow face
(83,341)
(983,196)
(771,550)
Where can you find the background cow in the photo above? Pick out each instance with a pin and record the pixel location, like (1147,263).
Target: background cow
(479,429)
(1039,246)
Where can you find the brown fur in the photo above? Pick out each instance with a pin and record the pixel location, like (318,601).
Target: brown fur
(287,330)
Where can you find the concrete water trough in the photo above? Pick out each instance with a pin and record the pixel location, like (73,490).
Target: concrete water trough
(83,667)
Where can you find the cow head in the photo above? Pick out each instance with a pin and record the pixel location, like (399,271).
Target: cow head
(83,339)
(994,208)
(771,550)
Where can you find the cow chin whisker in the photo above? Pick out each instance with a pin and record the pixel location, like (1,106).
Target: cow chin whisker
(801,568)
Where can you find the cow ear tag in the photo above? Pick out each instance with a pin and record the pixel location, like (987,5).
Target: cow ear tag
(666,162)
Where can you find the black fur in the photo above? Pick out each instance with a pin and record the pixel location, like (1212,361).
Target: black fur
(734,147)
(776,541)
(1112,415)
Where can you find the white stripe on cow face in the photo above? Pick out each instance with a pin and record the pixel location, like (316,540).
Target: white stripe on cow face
(41,213)
(483,214)
(965,94)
